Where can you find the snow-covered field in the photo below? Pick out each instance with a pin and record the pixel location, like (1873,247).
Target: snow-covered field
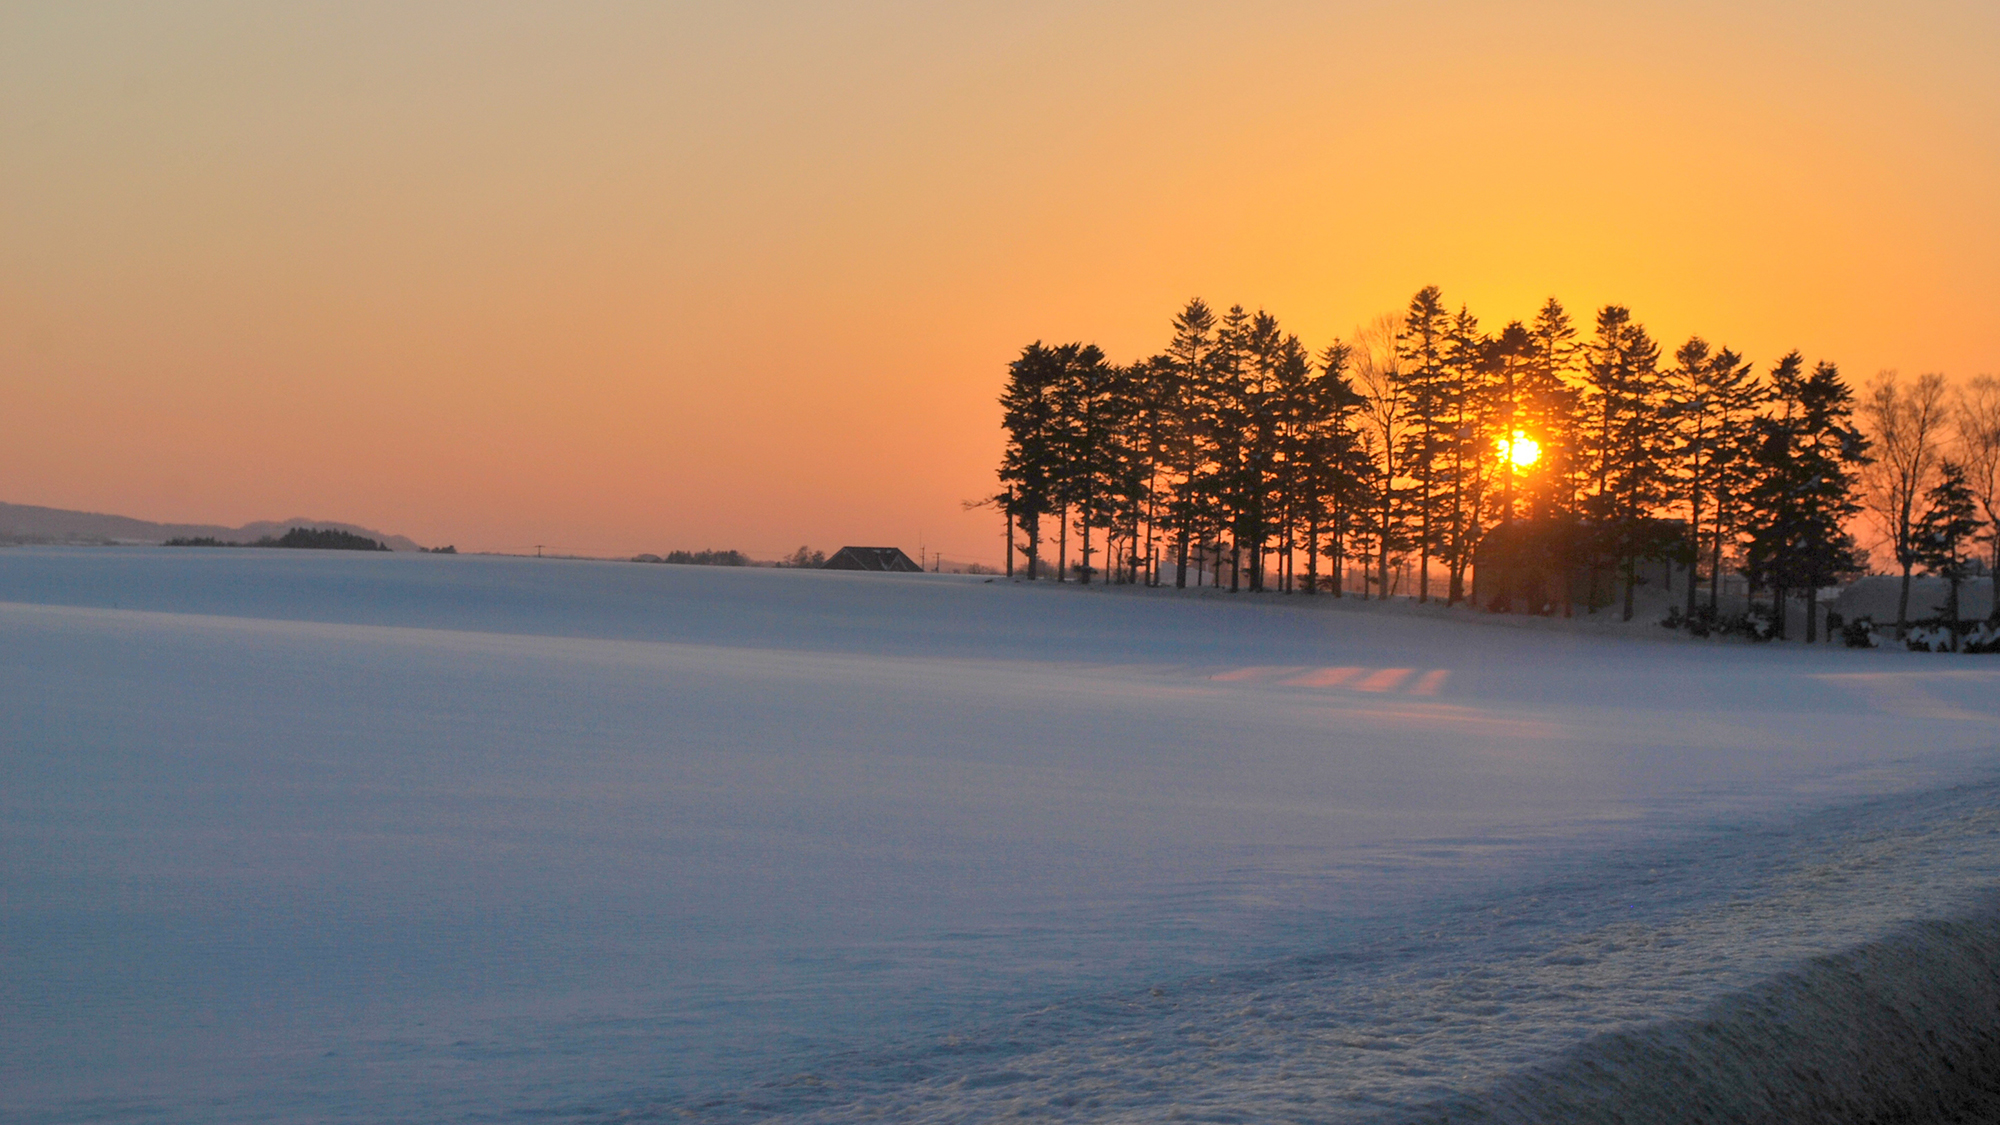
(302,836)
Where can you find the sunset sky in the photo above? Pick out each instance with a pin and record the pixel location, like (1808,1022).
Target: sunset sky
(635,277)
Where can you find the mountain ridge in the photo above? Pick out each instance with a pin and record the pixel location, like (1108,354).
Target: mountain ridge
(22,524)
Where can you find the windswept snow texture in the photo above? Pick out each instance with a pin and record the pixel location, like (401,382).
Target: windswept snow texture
(292,836)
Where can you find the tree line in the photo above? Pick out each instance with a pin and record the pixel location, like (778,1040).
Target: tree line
(300,538)
(1386,460)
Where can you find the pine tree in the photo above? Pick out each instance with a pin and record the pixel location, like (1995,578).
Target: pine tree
(1710,399)
(1186,423)
(1736,395)
(1090,410)
(1029,466)
(1945,533)
(1547,406)
(1481,388)
(1808,454)
(1623,439)
(1294,408)
(1257,399)
(1422,347)
(1339,462)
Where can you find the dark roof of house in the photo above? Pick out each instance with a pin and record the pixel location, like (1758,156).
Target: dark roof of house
(872,558)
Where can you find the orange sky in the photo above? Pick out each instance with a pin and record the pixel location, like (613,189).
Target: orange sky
(625,277)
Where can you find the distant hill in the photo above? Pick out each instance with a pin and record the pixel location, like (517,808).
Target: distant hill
(26,523)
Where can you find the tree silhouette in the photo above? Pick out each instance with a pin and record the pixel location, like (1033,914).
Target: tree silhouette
(1944,537)
(1237,448)
(1906,422)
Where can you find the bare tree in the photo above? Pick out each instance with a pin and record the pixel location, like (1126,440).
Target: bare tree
(1385,415)
(1976,415)
(1906,423)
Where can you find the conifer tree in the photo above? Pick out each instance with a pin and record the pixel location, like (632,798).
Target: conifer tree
(1944,539)
(1186,423)
(1481,394)
(1710,399)
(1422,347)
(1341,461)
(1149,384)
(1623,437)
(1547,405)
(1029,465)
(1091,406)
(1807,456)
(1294,411)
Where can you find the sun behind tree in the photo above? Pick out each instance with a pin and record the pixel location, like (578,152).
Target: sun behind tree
(1521,450)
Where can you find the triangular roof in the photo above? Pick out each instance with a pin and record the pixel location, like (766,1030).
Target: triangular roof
(872,558)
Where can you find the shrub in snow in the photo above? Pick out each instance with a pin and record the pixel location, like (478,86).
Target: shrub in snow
(1935,635)
(1984,637)
(1700,623)
(1756,625)
(1859,633)
(1928,636)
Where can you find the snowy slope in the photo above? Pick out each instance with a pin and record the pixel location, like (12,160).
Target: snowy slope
(307,836)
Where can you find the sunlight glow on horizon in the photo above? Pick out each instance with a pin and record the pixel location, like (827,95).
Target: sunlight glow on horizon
(622,278)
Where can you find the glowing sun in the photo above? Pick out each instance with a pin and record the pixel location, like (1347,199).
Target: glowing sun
(1523,450)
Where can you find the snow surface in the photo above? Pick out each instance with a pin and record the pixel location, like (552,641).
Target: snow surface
(313,836)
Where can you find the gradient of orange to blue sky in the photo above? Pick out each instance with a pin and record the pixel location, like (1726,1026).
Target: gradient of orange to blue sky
(625,277)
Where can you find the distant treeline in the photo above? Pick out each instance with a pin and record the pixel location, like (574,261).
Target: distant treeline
(303,538)
(1399,450)
(698,558)
(803,557)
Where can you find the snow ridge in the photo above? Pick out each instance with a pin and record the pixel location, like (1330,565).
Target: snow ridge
(1903,1029)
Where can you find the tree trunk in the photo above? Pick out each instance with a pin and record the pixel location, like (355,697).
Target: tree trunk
(1715,568)
(1812,615)
(1084,574)
(1010,536)
(1694,547)
(1287,565)
(1424,548)
(1062,545)
(1181,550)
(1339,554)
(1312,555)
(1778,594)
(1903,605)
(1382,590)
(1631,582)
(1993,575)
(1951,609)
